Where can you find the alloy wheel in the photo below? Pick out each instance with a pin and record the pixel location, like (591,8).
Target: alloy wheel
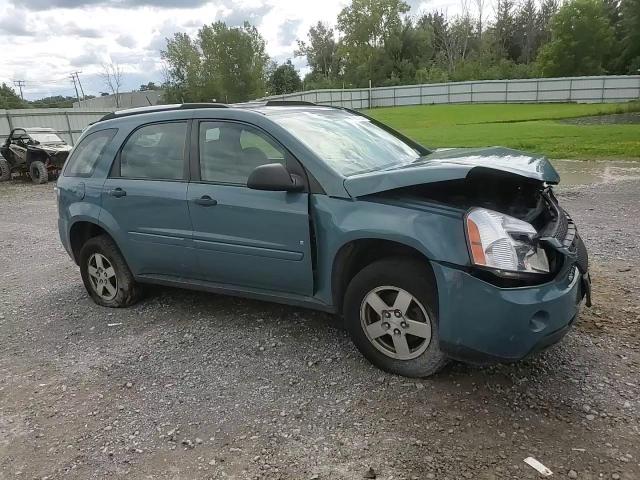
(102,276)
(395,322)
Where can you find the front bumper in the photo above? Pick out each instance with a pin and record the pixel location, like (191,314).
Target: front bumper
(482,323)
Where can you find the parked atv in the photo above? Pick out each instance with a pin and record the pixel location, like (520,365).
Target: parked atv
(38,152)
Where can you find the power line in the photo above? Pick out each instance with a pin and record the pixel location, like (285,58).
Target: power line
(73,79)
(80,84)
(19,84)
(42,81)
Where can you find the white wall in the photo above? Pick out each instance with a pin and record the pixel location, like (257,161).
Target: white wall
(67,122)
(574,89)
(126,100)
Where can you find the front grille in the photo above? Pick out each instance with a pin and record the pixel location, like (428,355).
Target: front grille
(565,228)
(583,256)
(562,228)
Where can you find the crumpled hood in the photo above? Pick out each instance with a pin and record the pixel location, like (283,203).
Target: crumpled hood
(453,164)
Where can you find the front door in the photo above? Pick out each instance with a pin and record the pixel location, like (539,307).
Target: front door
(145,201)
(244,237)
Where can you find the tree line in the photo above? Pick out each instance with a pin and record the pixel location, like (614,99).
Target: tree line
(382,41)
(379,40)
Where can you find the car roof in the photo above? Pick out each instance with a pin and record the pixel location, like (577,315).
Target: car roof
(263,107)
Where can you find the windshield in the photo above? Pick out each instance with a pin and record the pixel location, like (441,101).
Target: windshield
(349,143)
(45,137)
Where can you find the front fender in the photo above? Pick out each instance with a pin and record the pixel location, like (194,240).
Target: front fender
(435,231)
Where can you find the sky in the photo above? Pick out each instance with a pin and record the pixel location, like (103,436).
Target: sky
(46,40)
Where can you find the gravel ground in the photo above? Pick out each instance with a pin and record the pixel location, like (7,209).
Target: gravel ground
(193,385)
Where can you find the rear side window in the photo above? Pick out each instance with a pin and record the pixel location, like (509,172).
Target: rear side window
(87,153)
(155,152)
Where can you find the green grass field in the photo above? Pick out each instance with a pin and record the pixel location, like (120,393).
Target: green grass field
(532,127)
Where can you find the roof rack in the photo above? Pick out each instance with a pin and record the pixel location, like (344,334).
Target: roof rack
(160,108)
(289,103)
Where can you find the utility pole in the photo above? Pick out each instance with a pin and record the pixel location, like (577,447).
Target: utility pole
(19,84)
(79,83)
(73,79)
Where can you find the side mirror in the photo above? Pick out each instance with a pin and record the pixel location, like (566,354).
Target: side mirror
(275,178)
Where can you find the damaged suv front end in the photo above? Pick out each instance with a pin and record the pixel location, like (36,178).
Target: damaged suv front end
(519,286)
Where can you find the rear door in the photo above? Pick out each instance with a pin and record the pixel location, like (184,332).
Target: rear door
(145,196)
(245,237)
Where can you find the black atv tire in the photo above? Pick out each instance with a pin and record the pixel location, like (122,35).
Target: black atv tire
(128,291)
(38,172)
(5,170)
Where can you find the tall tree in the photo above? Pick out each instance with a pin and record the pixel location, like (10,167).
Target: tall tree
(581,36)
(365,26)
(222,63)
(630,22)
(614,61)
(527,31)
(234,60)
(321,51)
(504,29)
(453,39)
(548,9)
(112,78)
(183,70)
(284,79)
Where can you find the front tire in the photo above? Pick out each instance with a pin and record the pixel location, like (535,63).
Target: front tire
(390,310)
(105,274)
(38,172)
(5,170)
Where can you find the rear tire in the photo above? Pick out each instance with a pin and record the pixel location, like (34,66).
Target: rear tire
(38,172)
(5,170)
(105,274)
(390,310)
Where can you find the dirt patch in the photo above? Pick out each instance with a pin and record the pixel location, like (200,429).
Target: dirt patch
(630,118)
(192,385)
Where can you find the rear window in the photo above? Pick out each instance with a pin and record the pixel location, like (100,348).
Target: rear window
(86,154)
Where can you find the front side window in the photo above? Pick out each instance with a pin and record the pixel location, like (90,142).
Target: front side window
(85,156)
(348,143)
(229,152)
(155,152)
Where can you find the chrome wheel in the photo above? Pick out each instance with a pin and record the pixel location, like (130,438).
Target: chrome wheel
(102,277)
(395,322)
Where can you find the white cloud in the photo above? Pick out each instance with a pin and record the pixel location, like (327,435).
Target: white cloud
(63,36)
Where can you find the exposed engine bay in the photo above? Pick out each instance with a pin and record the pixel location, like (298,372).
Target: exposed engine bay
(525,199)
(514,195)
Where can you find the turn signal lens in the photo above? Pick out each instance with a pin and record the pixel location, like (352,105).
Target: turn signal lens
(475,242)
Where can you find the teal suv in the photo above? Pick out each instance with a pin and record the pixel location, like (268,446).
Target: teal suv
(426,254)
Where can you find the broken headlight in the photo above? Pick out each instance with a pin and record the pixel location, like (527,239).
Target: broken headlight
(501,242)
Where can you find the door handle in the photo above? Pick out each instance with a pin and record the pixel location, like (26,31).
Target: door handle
(206,201)
(117,192)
